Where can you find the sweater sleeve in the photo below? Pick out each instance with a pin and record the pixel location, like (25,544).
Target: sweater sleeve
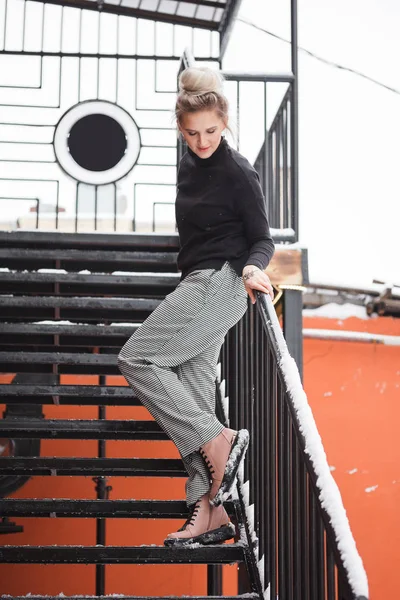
(252,211)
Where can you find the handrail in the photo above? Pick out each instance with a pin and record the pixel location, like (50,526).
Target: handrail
(303,541)
(331,505)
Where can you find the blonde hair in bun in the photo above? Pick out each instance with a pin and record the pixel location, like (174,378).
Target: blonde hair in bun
(200,88)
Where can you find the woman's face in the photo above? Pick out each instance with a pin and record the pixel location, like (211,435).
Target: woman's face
(202,131)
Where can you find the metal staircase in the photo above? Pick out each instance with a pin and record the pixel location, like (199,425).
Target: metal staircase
(68,303)
(57,321)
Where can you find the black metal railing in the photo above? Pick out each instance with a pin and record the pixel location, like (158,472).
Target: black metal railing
(305,547)
(274,165)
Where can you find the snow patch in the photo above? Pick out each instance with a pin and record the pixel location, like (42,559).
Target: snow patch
(143,274)
(352,471)
(52,271)
(371,489)
(337,311)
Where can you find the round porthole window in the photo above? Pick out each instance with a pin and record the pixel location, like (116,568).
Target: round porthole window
(97,142)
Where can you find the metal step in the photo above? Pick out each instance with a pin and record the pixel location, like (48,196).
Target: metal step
(68,362)
(85,395)
(60,358)
(60,239)
(83,302)
(110,260)
(80,429)
(22,336)
(118,467)
(221,554)
(63,507)
(73,329)
(138,279)
(115,509)
(121,597)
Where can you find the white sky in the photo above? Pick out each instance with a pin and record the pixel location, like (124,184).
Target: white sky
(349,128)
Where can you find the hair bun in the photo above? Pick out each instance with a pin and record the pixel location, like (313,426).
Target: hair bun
(197,81)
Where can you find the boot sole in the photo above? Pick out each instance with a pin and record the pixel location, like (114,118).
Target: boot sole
(235,458)
(216,536)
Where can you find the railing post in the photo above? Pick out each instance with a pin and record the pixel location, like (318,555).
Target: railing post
(293,325)
(294,125)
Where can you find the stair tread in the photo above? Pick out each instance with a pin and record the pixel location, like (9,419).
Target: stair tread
(61,239)
(62,328)
(86,302)
(165,258)
(248,596)
(163,509)
(70,358)
(218,554)
(79,428)
(96,391)
(128,278)
(126,467)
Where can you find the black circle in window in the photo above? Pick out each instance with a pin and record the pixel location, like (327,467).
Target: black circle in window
(97,142)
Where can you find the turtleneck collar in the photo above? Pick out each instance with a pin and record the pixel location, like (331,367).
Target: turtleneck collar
(213,159)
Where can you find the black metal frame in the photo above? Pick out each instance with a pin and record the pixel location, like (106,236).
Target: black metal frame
(297,540)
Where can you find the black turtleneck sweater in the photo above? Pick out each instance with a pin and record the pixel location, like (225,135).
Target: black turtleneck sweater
(221,213)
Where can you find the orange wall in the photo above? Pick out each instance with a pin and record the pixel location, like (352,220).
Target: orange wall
(353,389)
(123,579)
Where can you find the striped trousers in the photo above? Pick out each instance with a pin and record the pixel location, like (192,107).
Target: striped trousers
(170,362)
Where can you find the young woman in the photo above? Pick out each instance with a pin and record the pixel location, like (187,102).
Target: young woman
(225,244)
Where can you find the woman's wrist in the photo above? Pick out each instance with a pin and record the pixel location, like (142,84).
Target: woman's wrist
(249,271)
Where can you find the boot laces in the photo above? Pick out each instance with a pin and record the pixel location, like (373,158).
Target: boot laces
(194,511)
(207,461)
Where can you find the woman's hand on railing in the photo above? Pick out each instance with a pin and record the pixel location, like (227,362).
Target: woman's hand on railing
(255,279)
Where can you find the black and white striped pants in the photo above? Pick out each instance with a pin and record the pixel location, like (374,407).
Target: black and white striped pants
(171,362)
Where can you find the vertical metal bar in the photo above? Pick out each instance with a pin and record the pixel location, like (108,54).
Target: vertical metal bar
(249,423)
(296,518)
(330,572)
(95,207)
(115,203)
(214,580)
(258,411)
(76,206)
(267,425)
(313,548)
(270,181)
(79,59)
(102,494)
(320,554)
(278,143)
(305,528)
(293,325)
(282,564)
(273,476)
(287,491)
(242,410)
(237,114)
(294,146)
(265,157)
(285,198)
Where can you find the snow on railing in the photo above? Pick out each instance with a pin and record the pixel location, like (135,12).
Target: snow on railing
(329,494)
